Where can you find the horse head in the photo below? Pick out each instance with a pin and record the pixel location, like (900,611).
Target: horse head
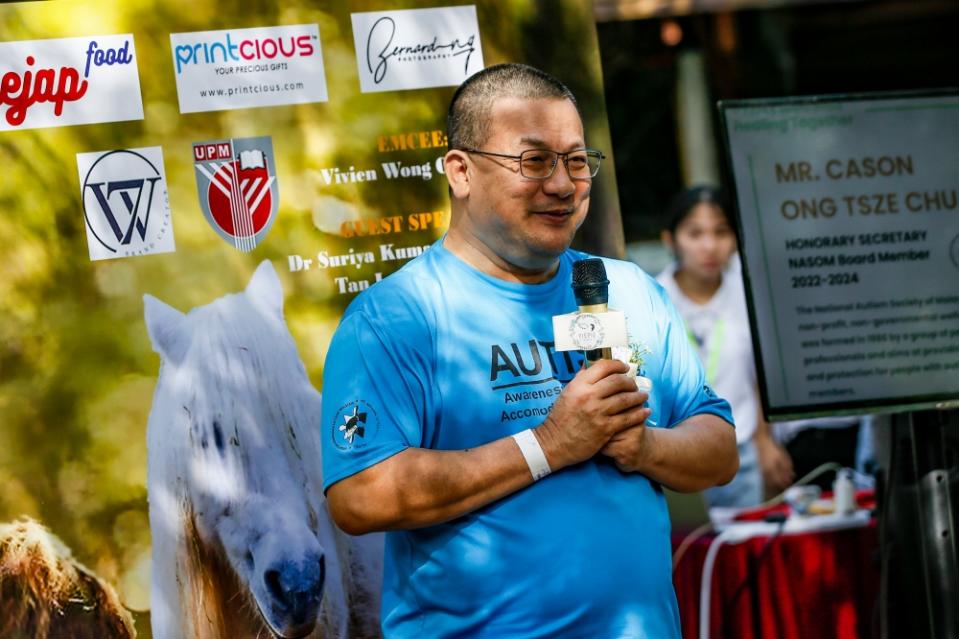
(231,450)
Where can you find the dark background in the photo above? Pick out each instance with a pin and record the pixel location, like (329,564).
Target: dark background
(799,50)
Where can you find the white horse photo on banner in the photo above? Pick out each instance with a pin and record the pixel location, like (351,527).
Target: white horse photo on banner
(243,543)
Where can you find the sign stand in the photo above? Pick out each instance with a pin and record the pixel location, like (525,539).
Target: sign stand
(918,527)
(849,233)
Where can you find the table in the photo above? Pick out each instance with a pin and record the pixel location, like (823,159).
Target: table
(817,579)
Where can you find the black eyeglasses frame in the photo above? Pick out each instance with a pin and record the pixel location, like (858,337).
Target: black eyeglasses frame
(596,153)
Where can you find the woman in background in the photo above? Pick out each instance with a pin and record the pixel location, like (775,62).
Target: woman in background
(705,284)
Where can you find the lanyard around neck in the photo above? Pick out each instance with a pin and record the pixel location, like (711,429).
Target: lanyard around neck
(715,346)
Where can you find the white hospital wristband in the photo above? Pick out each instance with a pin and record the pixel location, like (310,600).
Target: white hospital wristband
(533,453)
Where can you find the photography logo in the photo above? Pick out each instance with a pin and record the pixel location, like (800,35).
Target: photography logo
(125,203)
(238,190)
(416,48)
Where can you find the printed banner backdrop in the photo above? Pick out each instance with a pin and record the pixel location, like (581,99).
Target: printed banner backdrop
(265,163)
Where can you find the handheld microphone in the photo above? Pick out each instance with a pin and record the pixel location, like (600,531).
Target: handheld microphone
(591,289)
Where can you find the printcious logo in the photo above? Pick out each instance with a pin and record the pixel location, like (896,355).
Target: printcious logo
(416,48)
(125,203)
(238,190)
(355,425)
(68,81)
(242,68)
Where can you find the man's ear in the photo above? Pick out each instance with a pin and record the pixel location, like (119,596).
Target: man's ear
(456,166)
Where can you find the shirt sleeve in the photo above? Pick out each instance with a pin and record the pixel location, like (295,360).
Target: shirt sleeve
(683,372)
(375,383)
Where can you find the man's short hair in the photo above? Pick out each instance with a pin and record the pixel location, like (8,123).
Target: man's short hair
(468,118)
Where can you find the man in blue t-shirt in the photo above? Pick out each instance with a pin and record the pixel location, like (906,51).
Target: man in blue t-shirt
(520,490)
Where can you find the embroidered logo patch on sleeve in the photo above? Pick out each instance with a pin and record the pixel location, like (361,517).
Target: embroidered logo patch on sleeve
(355,425)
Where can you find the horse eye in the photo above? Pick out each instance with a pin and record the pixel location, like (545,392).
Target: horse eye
(218,435)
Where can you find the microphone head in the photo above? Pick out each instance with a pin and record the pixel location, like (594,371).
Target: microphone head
(590,285)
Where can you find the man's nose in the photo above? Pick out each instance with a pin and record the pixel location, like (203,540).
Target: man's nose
(559,183)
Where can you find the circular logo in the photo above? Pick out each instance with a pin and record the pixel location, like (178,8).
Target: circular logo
(586,331)
(954,251)
(120,190)
(355,425)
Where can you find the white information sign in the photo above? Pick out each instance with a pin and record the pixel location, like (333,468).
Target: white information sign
(849,215)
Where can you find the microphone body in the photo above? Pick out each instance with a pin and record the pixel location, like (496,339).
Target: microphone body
(591,290)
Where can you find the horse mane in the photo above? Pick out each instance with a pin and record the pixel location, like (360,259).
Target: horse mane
(217,604)
(44,590)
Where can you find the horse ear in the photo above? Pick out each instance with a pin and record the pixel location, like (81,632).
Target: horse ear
(166,327)
(265,289)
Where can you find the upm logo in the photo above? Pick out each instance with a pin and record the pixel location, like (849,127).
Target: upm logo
(68,81)
(238,191)
(240,68)
(125,203)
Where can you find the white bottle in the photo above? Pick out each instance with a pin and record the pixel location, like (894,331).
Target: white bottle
(844,492)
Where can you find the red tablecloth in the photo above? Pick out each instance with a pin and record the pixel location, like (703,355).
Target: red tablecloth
(820,585)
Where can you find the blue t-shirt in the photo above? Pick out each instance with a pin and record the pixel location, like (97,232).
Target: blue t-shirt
(442,356)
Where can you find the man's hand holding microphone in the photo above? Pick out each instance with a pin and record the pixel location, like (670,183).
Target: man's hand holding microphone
(601,410)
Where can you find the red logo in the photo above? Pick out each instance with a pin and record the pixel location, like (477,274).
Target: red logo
(58,86)
(238,190)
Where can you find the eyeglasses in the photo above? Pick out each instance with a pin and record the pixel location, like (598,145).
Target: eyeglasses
(539,164)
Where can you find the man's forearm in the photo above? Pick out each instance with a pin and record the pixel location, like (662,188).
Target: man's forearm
(693,455)
(420,487)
